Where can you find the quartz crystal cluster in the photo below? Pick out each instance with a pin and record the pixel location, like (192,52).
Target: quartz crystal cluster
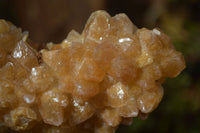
(89,83)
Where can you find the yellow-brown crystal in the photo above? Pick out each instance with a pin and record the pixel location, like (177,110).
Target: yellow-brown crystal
(89,83)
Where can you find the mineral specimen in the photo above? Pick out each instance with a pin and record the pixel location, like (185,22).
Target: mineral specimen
(89,83)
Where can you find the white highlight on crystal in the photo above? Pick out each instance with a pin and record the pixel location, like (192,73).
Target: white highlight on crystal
(17,54)
(120,93)
(33,71)
(124,43)
(157,32)
(55,99)
(29,98)
(121,40)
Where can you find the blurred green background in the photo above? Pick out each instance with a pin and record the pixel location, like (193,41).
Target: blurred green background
(179,111)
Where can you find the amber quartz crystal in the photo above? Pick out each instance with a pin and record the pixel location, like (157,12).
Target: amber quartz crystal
(89,83)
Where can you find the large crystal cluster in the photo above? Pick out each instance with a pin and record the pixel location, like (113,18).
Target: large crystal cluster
(89,83)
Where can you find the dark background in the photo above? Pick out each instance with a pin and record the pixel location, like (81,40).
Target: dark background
(179,111)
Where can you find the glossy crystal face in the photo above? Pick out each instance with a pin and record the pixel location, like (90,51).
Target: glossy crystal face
(90,82)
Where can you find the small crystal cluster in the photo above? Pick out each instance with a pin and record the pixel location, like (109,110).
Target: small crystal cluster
(90,83)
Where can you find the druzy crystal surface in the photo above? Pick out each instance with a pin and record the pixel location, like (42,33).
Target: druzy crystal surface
(89,83)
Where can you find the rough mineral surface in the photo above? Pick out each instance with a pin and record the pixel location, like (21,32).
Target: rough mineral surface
(89,83)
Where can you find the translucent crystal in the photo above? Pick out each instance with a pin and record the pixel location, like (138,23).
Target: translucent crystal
(90,82)
(23,118)
(117,95)
(52,107)
(81,112)
(111,117)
